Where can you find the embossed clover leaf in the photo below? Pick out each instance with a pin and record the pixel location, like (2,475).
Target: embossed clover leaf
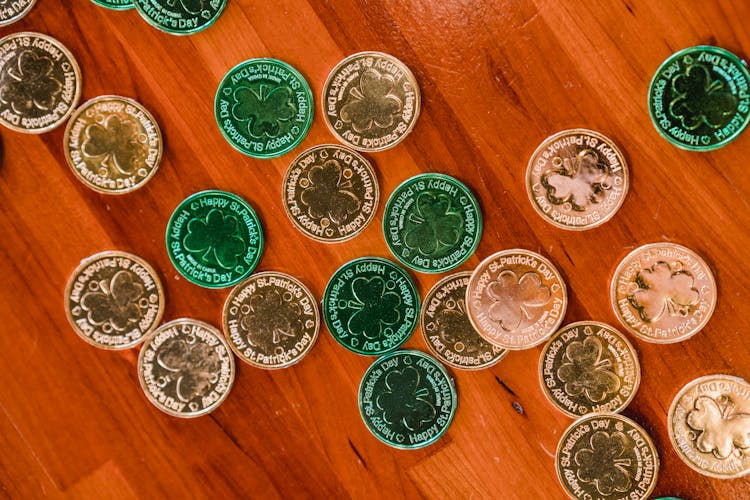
(699,99)
(116,141)
(327,195)
(195,367)
(581,182)
(405,401)
(723,432)
(452,325)
(217,238)
(376,306)
(266,110)
(435,224)
(602,464)
(115,302)
(272,317)
(585,372)
(514,297)
(30,84)
(372,102)
(191,6)
(661,290)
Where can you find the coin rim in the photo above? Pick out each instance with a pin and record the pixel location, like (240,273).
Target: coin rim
(18,16)
(103,3)
(176,32)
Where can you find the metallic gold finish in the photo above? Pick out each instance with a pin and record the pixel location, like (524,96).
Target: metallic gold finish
(12,11)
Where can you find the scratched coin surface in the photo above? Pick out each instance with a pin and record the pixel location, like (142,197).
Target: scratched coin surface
(407,399)
(447,330)
(589,367)
(115,4)
(577,179)
(180,17)
(516,299)
(186,368)
(114,299)
(271,320)
(40,82)
(330,193)
(371,101)
(663,293)
(709,426)
(606,455)
(13,10)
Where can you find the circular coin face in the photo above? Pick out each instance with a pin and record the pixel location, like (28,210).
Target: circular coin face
(115,4)
(330,193)
(214,239)
(605,455)
(663,293)
(186,368)
(589,367)
(432,223)
(264,108)
(407,399)
(371,101)
(114,299)
(12,11)
(577,179)
(698,98)
(180,17)
(447,330)
(370,306)
(271,320)
(40,82)
(516,299)
(709,426)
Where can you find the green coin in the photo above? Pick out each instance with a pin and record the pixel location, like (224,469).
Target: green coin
(214,239)
(371,306)
(264,107)
(432,223)
(698,98)
(180,17)
(407,399)
(115,4)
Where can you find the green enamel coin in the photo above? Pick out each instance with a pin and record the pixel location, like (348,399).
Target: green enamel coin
(115,4)
(698,98)
(214,239)
(371,306)
(179,17)
(432,223)
(407,399)
(264,108)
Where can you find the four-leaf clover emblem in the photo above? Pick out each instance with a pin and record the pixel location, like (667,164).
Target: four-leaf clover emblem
(376,307)
(603,463)
(194,365)
(404,401)
(217,238)
(271,318)
(327,194)
(585,372)
(580,181)
(30,84)
(700,100)
(372,102)
(662,290)
(514,298)
(115,142)
(434,224)
(266,109)
(114,301)
(722,431)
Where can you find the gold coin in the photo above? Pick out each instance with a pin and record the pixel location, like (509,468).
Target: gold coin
(371,101)
(10,12)
(663,293)
(589,367)
(114,299)
(606,455)
(709,426)
(516,299)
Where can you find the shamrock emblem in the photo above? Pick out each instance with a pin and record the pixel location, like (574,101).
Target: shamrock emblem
(29,84)
(217,237)
(722,431)
(700,100)
(327,195)
(376,306)
(435,224)
(271,318)
(266,110)
(515,297)
(452,323)
(114,302)
(585,372)
(116,142)
(404,401)
(662,290)
(191,6)
(603,464)
(372,102)
(580,182)
(194,365)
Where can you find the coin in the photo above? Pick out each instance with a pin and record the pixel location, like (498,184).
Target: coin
(709,426)
(214,239)
(115,4)
(370,306)
(605,455)
(330,193)
(371,101)
(10,12)
(40,82)
(516,299)
(180,17)
(264,107)
(577,179)
(114,299)
(447,330)
(663,293)
(407,399)
(432,223)
(271,320)
(186,368)
(589,367)
(698,98)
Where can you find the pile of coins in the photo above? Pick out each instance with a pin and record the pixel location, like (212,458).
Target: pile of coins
(176,17)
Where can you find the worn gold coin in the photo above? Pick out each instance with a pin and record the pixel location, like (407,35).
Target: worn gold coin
(516,299)
(663,293)
(606,455)
(271,320)
(709,426)
(589,367)
(13,10)
(114,299)
(371,101)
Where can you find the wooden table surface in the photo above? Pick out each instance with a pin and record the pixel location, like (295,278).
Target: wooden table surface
(497,77)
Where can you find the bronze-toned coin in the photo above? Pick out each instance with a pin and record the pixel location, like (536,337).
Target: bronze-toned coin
(330,193)
(186,368)
(447,330)
(589,367)
(113,144)
(709,426)
(663,293)
(606,455)
(371,101)
(114,299)
(577,179)
(516,299)
(271,320)
(12,11)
